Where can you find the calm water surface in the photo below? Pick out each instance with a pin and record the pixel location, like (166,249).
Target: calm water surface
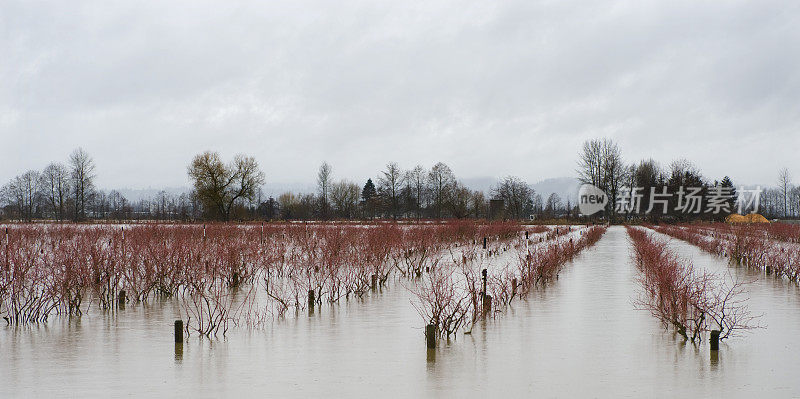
(579,337)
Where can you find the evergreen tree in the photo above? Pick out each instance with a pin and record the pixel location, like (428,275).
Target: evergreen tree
(369,192)
(369,195)
(727,182)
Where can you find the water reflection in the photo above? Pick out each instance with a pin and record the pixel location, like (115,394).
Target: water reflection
(178,353)
(430,356)
(714,360)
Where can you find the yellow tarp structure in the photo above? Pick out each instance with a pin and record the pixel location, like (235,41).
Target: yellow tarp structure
(756,218)
(735,218)
(751,218)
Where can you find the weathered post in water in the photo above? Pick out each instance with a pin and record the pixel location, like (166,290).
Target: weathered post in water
(513,286)
(484,273)
(121,298)
(235,280)
(487,304)
(374,282)
(7,244)
(178,331)
(430,336)
(714,340)
(311,299)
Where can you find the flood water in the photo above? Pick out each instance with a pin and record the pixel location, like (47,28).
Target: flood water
(579,337)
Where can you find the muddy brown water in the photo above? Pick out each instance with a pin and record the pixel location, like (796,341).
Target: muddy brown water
(579,337)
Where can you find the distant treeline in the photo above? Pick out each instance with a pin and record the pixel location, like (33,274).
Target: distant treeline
(233,191)
(601,164)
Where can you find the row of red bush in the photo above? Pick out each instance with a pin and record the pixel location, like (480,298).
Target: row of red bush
(452,295)
(67,269)
(544,264)
(746,244)
(689,300)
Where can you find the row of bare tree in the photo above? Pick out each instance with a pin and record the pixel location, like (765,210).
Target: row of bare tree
(61,191)
(228,191)
(233,191)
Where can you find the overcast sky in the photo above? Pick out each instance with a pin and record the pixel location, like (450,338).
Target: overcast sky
(490,88)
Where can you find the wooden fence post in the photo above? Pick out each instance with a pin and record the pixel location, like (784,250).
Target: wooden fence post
(178,331)
(430,336)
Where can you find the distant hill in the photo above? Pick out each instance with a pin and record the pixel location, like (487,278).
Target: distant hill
(484,184)
(565,187)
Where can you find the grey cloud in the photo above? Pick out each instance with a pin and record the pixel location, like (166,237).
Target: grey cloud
(489,88)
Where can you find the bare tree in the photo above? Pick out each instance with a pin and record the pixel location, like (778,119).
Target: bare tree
(389,184)
(517,196)
(219,186)
(613,174)
(161,202)
(796,202)
(56,188)
(416,178)
(680,168)
(323,185)
(600,164)
(184,207)
(408,201)
(82,180)
(553,205)
(785,186)
(344,196)
(478,204)
(441,182)
(288,202)
(646,175)
(117,204)
(459,203)
(590,163)
(538,204)
(23,193)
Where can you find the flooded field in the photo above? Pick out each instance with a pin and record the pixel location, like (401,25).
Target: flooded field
(578,336)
